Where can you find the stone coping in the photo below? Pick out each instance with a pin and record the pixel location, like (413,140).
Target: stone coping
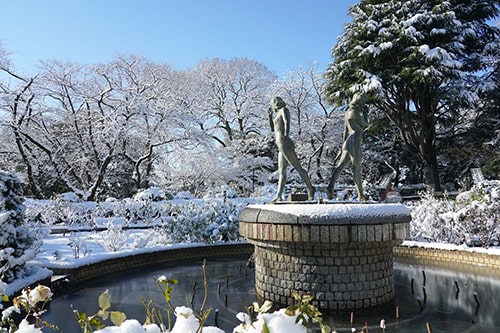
(65,279)
(326,214)
(454,259)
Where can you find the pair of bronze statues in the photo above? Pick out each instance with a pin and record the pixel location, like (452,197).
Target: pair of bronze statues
(356,121)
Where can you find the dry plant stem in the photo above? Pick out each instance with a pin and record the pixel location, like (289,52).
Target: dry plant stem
(204,313)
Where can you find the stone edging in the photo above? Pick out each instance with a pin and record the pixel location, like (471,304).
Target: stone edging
(456,259)
(66,278)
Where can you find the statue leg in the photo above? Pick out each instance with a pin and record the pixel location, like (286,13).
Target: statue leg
(295,163)
(336,173)
(358,182)
(282,165)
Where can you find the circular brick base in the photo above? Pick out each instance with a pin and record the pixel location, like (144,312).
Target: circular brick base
(345,263)
(350,276)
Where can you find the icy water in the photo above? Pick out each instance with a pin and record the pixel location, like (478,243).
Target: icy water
(446,300)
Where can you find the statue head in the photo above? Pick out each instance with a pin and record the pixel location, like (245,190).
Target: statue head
(277,103)
(358,99)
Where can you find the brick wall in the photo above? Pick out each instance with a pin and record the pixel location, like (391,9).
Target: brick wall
(460,260)
(67,278)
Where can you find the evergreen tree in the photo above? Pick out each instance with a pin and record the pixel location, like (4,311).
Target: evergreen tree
(420,61)
(16,240)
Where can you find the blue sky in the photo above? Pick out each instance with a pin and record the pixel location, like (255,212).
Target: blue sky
(283,35)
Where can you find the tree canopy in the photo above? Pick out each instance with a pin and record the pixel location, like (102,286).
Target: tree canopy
(422,63)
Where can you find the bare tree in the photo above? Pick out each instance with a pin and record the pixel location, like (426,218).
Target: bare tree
(233,96)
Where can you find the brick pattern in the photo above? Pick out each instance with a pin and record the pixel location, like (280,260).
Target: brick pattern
(324,233)
(343,278)
(459,260)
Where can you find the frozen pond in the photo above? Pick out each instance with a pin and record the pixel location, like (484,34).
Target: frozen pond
(448,301)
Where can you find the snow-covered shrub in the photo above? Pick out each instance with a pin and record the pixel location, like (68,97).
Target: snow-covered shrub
(114,237)
(478,213)
(68,197)
(428,220)
(184,195)
(208,221)
(17,242)
(152,194)
(79,247)
(62,213)
(472,215)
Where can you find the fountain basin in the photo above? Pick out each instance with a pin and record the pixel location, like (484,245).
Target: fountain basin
(341,254)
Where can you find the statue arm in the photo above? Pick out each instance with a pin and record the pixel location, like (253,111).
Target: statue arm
(286,121)
(365,117)
(358,122)
(271,122)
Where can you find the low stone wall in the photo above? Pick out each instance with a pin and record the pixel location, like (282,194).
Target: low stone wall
(460,260)
(66,278)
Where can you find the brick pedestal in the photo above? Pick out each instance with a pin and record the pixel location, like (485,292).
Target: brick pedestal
(341,254)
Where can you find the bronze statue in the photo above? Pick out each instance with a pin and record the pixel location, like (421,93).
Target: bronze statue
(280,125)
(356,121)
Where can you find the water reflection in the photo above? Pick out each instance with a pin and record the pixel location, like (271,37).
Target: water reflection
(228,281)
(447,298)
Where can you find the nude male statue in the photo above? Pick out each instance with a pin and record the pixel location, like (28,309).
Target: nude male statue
(280,125)
(356,121)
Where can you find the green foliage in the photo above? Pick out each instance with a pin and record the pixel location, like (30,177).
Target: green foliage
(17,241)
(94,322)
(306,312)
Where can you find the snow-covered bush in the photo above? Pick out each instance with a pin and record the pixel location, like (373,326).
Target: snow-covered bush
(68,197)
(478,213)
(208,221)
(471,218)
(153,194)
(61,213)
(17,243)
(114,237)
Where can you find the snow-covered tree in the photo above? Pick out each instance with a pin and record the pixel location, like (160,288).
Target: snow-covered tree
(421,62)
(233,97)
(16,240)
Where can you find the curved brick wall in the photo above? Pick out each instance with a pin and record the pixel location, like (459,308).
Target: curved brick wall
(476,262)
(82,274)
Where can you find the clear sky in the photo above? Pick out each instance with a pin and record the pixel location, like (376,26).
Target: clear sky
(281,34)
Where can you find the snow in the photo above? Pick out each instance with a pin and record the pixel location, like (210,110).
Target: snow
(55,252)
(353,210)
(34,274)
(131,326)
(414,19)
(386,45)
(494,250)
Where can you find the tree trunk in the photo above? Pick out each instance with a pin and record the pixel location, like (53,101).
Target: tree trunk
(431,168)
(426,105)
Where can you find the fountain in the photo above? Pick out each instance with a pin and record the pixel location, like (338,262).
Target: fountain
(231,289)
(341,254)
